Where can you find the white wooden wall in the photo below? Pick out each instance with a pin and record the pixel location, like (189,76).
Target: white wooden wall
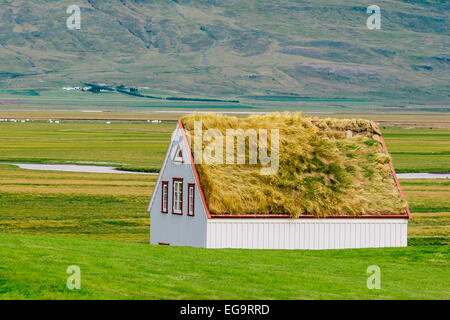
(306,233)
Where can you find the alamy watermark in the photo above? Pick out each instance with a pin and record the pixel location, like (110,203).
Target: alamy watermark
(74,280)
(73,22)
(374,280)
(374,21)
(258,147)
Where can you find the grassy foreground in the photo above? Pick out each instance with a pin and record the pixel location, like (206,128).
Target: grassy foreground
(119,270)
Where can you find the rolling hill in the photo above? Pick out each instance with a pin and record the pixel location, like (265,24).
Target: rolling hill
(230,48)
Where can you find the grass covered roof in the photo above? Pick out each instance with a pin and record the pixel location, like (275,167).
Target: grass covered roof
(326,167)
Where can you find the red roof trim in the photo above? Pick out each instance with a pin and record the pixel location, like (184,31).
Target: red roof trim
(188,149)
(285,216)
(408,213)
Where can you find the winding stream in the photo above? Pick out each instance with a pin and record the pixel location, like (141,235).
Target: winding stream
(423,175)
(103,169)
(74,168)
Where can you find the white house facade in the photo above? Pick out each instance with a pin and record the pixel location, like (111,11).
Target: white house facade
(180,216)
(177,212)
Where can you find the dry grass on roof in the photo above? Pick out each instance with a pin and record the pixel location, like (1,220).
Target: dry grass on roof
(327,167)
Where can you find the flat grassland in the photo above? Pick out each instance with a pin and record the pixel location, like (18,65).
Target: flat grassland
(419,149)
(50,220)
(123,144)
(140,145)
(101,206)
(34,267)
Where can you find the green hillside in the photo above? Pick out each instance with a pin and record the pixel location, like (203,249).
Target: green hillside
(230,48)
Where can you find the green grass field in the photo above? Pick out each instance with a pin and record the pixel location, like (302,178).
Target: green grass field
(34,267)
(126,145)
(419,149)
(56,99)
(142,145)
(50,220)
(101,206)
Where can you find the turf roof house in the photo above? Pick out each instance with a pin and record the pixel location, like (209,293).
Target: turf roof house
(190,206)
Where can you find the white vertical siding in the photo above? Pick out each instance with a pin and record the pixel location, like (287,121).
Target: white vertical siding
(306,233)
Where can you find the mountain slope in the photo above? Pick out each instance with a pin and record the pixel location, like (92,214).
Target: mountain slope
(231,48)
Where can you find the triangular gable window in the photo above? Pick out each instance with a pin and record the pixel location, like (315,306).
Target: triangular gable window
(178,157)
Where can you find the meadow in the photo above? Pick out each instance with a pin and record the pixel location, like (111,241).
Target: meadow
(123,144)
(139,145)
(60,100)
(100,206)
(50,220)
(419,149)
(34,267)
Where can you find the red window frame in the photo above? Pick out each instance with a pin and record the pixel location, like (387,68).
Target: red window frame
(173,195)
(191,189)
(175,157)
(166,203)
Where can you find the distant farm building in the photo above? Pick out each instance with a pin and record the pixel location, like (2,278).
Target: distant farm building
(334,186)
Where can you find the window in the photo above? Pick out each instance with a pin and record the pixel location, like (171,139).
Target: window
(178,157)
(177,196)
(191,199)
(165,197)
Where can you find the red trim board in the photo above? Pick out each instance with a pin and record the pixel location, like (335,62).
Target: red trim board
(393,173)
(194,169)
(285,216)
